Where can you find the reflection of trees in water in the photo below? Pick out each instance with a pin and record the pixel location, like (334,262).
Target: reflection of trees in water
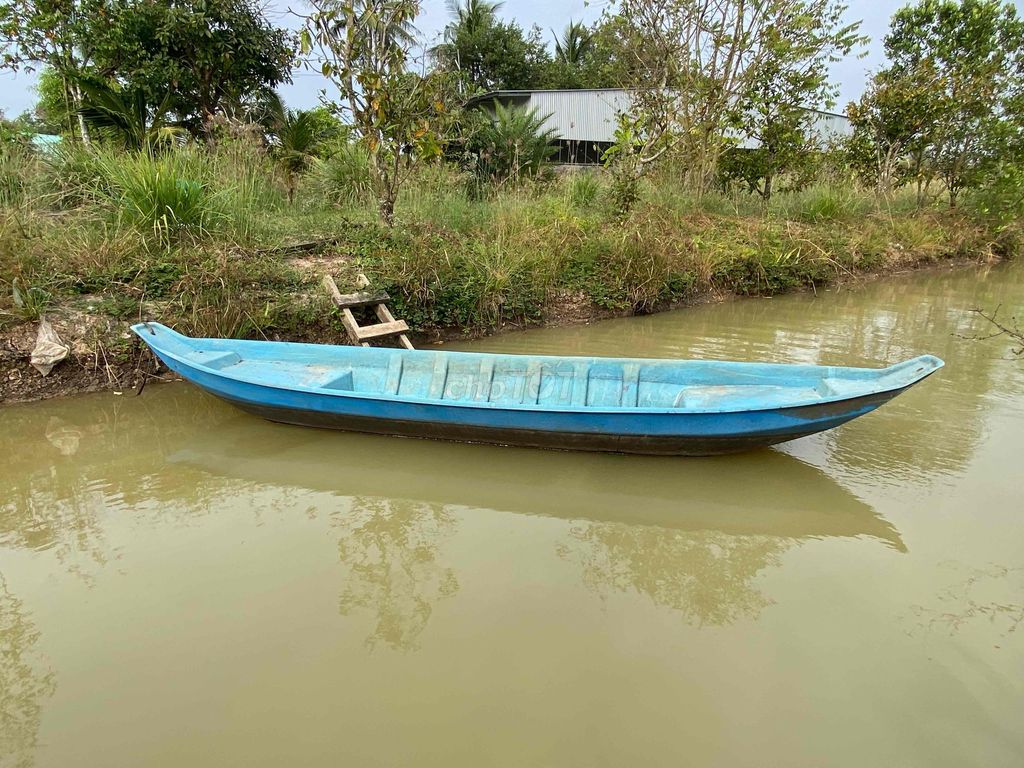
(390,548)
(84,461)
(938,431)
(705,575)
(933,429)
(89,456)
(23,683)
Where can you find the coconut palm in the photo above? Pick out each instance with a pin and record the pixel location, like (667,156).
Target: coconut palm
(470,16)
(125,114)
(574,45)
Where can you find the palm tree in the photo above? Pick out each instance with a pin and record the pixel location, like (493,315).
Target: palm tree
(299,134)
(470,19)
(125,114)
(470,16)
(574,45)
(516,145)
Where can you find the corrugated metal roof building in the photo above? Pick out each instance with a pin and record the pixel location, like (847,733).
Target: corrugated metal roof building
(586,119)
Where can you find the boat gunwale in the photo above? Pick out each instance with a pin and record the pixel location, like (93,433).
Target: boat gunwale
(935,363)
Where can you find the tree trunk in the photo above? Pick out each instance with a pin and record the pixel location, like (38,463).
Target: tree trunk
(386,208)
(73,96)
(82,127)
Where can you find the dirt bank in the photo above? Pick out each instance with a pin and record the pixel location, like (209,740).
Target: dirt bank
(105,355)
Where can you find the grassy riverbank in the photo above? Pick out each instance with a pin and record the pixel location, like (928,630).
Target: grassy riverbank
(199,240)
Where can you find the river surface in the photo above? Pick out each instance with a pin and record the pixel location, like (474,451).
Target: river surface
(182,585)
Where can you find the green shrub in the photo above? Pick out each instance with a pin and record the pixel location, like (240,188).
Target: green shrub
(1000,201)
(774,263)
(512,147)
(637,266)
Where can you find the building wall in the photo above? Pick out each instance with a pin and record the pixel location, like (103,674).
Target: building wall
(582,115)
(592,115)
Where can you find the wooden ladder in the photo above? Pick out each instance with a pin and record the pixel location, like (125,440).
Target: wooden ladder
(388,326)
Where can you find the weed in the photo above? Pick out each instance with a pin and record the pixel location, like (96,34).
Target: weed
(30,302)
(583,189)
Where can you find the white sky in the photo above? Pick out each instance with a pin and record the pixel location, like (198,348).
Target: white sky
(17,93)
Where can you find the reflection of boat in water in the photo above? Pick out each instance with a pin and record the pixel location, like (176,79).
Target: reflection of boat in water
(768,493)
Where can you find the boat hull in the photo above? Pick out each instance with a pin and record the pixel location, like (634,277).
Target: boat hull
(691,408)
(815,419)
(676,434)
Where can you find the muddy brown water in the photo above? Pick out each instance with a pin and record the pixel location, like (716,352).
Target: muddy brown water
(183,585)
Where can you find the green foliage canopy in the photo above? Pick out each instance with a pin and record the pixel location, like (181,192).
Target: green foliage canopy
(363,47)
(950,103)
(207,56)
(775,110)
(491,54)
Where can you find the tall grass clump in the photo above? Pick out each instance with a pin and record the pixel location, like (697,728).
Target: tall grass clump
(17,168)
(181,195)
(440,195)
(821,203)
(584,189)
(166,196)
(75,176)
(343,177)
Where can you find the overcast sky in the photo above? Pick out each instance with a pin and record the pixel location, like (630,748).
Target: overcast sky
(17,93)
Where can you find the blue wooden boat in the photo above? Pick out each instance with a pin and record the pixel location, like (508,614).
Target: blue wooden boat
(682,407)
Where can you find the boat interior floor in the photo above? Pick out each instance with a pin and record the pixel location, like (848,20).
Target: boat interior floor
(515,380)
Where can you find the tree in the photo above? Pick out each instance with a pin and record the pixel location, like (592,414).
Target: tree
(473,15)
(53,107)
(976,47)
(573,64)
(491,54)
(298,136)
(690,61)
(50,33)
(893,128)
(574,45)
(773,112)
(694,66)
(605,61)
(363,46)
(207,55)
